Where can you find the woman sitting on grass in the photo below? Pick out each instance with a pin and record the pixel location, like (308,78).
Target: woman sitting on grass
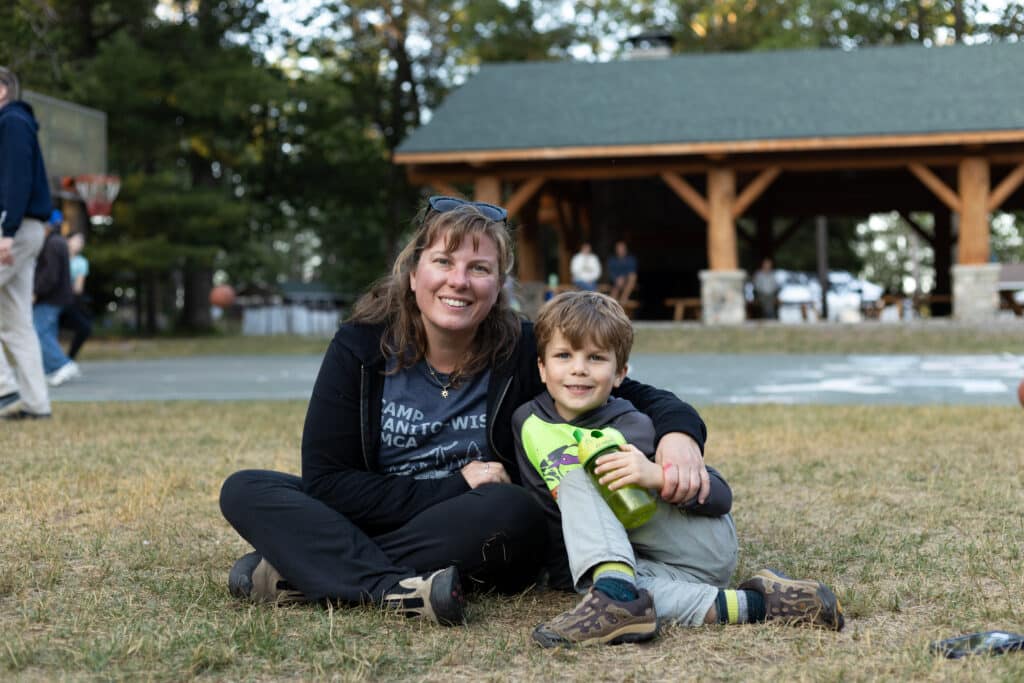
(408,464)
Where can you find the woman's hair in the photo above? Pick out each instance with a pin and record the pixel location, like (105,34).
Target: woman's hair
(584,317)
(392,302)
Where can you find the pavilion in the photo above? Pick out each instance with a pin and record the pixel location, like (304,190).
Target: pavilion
(673,152)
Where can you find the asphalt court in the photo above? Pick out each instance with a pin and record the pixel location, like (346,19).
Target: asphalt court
(701,379)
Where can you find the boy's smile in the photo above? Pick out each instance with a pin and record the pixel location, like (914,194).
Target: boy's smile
(579,380)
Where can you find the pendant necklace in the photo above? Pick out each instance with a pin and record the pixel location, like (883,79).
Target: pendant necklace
(444,385)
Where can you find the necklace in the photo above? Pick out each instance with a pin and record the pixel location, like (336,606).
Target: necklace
(444,385)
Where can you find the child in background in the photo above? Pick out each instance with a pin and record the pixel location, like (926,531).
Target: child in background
(677,565)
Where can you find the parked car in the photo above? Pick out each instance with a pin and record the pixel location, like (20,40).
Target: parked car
(800,295)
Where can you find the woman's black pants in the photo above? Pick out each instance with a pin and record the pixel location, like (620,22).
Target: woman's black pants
(495,534)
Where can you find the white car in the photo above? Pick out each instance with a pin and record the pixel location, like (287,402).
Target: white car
(800,296)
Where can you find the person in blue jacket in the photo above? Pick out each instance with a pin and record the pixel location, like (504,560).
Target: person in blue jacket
(409,480)
(24,209)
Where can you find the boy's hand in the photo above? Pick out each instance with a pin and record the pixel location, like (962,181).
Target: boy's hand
(628,466)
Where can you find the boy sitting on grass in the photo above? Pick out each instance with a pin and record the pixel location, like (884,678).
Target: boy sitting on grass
(677,565)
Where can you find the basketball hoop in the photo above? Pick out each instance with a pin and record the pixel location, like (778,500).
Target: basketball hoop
(99,192)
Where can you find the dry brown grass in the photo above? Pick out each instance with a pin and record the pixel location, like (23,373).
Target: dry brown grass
(113,554)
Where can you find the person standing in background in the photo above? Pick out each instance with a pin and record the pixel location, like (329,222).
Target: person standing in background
(76,314)
(24,206)
(586,268)
(53,295)
(766,289)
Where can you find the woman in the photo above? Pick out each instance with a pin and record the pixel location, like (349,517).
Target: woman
(408,465)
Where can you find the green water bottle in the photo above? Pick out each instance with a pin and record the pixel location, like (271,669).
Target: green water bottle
(632,505)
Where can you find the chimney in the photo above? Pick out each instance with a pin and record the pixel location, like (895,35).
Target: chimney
(653,44)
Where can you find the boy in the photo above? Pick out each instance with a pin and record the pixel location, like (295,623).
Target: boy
(683,558)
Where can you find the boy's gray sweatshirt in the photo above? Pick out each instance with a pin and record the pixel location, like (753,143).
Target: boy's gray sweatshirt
(549,438)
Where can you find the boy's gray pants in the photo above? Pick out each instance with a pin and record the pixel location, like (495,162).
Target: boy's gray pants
(681,558)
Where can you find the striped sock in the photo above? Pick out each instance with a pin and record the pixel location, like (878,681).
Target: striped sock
(739,607)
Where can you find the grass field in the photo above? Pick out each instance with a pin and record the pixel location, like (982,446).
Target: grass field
(114,556)
(933,336)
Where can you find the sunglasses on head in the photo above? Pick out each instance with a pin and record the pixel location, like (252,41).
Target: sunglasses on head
(492,212)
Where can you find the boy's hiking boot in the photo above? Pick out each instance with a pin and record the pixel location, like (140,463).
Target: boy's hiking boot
(254,578)
(436,596)
(796,601)
(598,619)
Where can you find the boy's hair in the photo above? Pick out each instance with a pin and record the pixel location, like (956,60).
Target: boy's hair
(10,79)
(582,317)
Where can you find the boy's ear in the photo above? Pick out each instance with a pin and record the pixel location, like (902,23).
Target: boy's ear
(620,374)
(540,367)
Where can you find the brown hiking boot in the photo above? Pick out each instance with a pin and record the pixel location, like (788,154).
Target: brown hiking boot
(598,619)
(436,596)
(797,601)
(254,578)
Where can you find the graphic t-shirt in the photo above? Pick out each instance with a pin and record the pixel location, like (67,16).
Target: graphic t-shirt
(427,436)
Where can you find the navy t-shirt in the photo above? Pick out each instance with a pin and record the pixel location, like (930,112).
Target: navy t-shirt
(427,436)
(621,266)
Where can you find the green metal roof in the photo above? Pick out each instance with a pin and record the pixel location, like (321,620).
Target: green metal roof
(731,97)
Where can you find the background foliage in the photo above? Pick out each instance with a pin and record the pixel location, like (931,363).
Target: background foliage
(255,146)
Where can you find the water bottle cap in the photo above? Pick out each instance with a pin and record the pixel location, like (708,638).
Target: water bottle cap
(594,442)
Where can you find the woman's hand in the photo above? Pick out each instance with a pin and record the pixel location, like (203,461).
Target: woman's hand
(683,466)
(477,473)
(628,466)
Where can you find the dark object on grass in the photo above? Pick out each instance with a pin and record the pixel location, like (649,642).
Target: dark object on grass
(985,643)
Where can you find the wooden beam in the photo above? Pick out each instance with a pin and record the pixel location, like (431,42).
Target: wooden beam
(935,184)
(1004,189)
(685,191)
(729,147)
(754,189)
(747,237)
(787,232)
(444,188)
(722,253)
(523,194)
(612,169)
(973,245)
(917,227)
(487,188)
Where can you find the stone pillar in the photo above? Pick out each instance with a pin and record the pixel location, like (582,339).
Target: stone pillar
(975,292)
(721,297)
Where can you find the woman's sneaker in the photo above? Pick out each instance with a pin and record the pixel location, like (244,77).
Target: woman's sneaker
(254,578)
(797,601)
(436,596)
(598,619)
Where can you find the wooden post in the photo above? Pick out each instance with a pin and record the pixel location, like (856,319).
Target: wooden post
(528,244)
(765,238)
(943,246)
(721,226)
(974,225)
(487,188)
(821,246)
